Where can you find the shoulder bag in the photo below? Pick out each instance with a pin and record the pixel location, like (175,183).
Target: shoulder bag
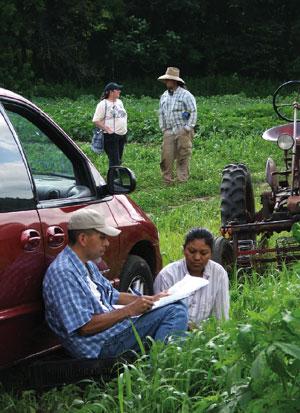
(97,144)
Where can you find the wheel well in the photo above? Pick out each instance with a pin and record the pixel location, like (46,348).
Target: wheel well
(145,250)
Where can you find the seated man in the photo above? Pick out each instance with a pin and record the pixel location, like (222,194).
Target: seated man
(79,301)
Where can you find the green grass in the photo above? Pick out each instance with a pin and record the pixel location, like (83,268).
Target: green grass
(248,364)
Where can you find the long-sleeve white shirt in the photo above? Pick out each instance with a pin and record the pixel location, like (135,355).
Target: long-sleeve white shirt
(212,299)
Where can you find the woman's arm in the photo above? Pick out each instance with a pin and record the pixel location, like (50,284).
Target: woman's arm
(221,309)
(101,125)
(99,117)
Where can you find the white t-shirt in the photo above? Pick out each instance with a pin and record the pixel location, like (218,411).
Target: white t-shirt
(213,299)
(114,113)
(97,294)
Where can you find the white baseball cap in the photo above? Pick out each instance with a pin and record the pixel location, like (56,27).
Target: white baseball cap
(86,218)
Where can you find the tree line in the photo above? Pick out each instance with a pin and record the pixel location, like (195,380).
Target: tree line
(90,41)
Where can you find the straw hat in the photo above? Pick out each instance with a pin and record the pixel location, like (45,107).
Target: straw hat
(172,73)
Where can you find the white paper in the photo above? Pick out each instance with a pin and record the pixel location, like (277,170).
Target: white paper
(181,289)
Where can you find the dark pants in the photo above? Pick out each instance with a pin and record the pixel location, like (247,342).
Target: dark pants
(114,147)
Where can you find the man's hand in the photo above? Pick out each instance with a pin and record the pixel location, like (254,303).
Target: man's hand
(140,305)
(144,303)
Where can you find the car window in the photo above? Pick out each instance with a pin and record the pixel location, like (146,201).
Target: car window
(44,157)
(52,171)
(16,189)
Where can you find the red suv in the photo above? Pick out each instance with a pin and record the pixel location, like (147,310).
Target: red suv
(44,177)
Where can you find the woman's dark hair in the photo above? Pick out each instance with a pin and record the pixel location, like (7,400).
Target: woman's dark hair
(105,94)
(199,233)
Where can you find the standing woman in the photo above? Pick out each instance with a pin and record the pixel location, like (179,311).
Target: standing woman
(111,117)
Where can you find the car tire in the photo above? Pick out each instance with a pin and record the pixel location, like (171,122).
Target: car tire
(136,275)
(223,254)
(237,199)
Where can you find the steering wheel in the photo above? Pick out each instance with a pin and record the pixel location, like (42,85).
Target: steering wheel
(284,99)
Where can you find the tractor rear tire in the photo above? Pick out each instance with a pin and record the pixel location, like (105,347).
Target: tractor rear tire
(237,199)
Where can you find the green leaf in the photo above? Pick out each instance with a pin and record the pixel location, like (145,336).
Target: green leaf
(245,338)
(290,349)
(233,375)
(296,230)
(258,366)
(138,338)
(276,362)
(121,392)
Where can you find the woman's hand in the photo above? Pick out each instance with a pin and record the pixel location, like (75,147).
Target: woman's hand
(157,296)
(192,326)
(108,130)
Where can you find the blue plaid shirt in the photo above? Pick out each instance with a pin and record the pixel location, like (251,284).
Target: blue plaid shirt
(70,303)
(173,107)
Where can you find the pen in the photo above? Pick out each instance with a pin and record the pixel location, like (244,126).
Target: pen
(134,292)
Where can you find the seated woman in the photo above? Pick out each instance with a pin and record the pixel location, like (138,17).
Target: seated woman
(213,299)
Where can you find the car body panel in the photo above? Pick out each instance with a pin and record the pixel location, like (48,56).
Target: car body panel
(35,207)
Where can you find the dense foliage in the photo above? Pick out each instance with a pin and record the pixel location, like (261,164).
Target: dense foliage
(87,42)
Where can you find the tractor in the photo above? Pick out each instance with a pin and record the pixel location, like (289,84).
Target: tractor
(245,242)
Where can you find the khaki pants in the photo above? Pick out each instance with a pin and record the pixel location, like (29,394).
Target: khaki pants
(176,146)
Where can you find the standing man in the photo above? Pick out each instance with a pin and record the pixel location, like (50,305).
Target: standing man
(177,119)
(80,302)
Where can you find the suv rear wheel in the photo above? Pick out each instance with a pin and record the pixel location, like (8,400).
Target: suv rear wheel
(136,275)
(223,254)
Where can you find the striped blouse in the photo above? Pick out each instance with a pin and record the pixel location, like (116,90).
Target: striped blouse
(212,299)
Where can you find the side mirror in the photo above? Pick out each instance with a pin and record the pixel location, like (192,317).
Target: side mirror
(120,180)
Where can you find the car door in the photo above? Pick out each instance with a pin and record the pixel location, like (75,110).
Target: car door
(63,179)
(22,262)
(46,179)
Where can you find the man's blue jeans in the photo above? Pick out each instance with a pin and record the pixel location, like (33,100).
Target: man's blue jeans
(158,324)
